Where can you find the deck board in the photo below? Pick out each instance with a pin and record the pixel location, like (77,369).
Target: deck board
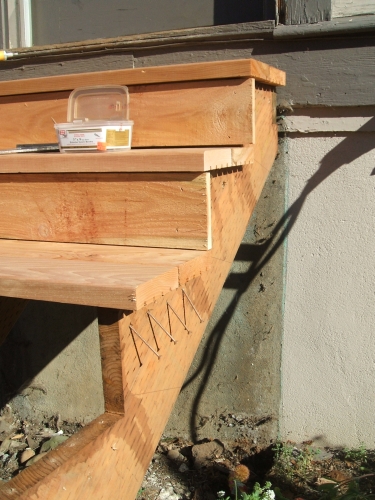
(96,275)
(240,68)
(134,160)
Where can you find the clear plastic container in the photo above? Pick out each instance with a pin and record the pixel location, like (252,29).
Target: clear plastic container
(97,120)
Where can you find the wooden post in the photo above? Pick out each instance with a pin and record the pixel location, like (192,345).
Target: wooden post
(110,352)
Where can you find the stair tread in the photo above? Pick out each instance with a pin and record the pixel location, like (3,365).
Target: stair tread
(134,160)
(96,275)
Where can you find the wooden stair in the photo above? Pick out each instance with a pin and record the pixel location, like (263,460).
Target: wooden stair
(147,236)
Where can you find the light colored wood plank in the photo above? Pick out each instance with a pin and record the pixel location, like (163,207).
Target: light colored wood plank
(110,353)
(134,160)
(163,210)
(86,283)
(33,474)
(126,255)
(241,68)
(151,384)
(96,275)
(10,310)
(207,113)
(265,119)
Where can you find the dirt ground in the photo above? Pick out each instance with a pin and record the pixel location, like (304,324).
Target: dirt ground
(181,470)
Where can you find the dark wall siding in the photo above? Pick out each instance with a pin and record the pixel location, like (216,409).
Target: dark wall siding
(320,71)
(60,21)
(305,11)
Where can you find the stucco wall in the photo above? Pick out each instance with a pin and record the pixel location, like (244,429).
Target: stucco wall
(328,356)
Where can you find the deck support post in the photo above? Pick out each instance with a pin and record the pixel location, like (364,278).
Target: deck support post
(110,353)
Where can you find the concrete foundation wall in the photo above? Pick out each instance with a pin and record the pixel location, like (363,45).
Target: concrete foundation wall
(233,388)
(328,358)
(50,364)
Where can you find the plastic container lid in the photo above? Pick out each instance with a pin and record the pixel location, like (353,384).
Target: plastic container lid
(102,102)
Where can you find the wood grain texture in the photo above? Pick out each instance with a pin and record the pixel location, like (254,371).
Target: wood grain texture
(126,255)
(240,68)
(10,310)
(134,160)
(110,353)
(113,465)
(321,72)
(156,210)
(143,368)
(34,474)
(85,283)
(199,113)
(96,275)
(211,113)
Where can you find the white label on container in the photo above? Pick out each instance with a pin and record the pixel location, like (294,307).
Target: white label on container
(88,138)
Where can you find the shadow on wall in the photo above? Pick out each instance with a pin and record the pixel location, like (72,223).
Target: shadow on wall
(259,255)
(43,331)
(237,11)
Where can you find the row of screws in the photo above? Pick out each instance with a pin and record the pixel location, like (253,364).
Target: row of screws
(169,334)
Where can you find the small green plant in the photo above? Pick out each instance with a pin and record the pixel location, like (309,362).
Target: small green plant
(259,493)
(291,462)
(357,455)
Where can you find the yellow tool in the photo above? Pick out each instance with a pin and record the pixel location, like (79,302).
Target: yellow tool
(4,55)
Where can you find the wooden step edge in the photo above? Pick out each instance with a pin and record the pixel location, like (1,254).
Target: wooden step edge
(85,283)
(134,160)
(95,275)
(88,252)
(240,68)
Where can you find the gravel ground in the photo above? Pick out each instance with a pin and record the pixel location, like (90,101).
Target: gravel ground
(22,443)
(181,470)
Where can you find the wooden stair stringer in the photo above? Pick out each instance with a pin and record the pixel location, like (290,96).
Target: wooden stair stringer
(113,463)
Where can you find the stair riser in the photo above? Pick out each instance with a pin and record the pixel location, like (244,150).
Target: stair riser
(214,113)
(156,210)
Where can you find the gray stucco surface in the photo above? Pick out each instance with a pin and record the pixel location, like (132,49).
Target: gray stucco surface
(50,363)
(237,368)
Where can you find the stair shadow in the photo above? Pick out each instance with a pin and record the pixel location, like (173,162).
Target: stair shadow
(260,254)
(42,332)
